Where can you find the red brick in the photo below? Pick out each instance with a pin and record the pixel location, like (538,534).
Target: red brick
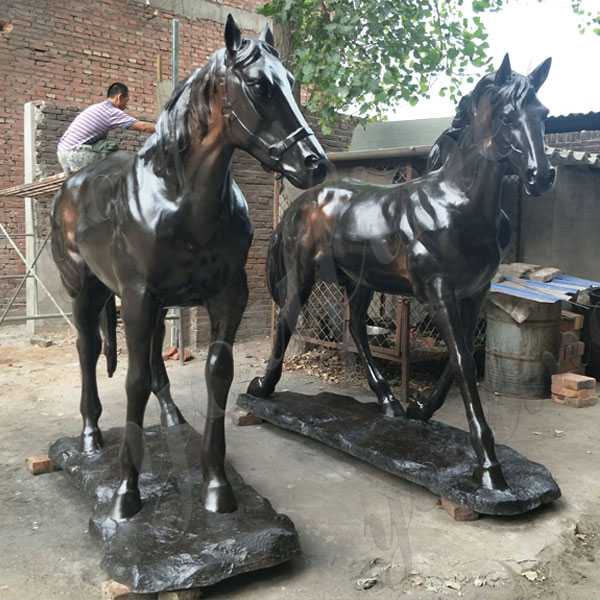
(573,381)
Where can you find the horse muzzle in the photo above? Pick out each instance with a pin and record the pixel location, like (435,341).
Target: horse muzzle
(536,184)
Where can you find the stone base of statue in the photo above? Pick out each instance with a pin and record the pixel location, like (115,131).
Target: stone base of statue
(173,543)
(434,455)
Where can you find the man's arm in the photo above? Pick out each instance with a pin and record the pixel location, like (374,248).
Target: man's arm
(143,126)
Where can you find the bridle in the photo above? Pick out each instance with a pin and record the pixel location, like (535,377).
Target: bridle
(275,152)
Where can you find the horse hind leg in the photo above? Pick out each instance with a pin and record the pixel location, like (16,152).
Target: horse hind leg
(300,282)
(87,305)
(359,299)
(170,415)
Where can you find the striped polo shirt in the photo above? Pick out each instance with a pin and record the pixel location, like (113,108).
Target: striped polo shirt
(92,125)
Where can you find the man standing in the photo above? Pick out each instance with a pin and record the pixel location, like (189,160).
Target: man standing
(85,141)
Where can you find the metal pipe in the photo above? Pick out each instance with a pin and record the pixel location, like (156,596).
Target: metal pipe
(37,279)
(180,340)
(25,278)
(360,155)
(14,276)
(175,52)
(37,317)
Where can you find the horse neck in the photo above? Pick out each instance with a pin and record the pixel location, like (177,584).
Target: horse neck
(200,185)
(478,177)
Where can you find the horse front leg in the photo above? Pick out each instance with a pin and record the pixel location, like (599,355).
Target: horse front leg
(140,312)
(424,408)
(448,319)
(300,282)
(170,415)
(359,299)
(225,312)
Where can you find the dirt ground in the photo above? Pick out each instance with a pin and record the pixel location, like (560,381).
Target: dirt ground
(364,534)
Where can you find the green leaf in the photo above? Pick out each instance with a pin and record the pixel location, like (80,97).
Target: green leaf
(365,56)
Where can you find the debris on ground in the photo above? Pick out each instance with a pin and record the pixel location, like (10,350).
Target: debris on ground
(453,585)
(329,365)
(42,342)
(366,583)
(372,574)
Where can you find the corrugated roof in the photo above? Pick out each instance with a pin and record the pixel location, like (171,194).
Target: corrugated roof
(398,134)
(573,122)
(577,158)
(562,287)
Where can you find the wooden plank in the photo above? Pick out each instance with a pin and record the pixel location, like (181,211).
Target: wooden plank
(42,187)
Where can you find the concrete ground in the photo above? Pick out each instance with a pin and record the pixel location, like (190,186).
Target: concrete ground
(358,526)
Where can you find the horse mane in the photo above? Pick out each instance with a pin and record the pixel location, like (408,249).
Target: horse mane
(517,90)
(186,114)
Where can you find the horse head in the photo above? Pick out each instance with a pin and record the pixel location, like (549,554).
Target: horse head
(262,116)
(507,120)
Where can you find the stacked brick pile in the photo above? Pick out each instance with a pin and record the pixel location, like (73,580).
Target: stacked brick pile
(572,389)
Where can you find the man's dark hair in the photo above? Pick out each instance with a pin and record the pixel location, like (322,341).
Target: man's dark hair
(117,88)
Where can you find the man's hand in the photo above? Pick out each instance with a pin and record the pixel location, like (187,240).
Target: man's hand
(143,126)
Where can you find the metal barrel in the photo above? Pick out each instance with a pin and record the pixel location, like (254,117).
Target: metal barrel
(514,351)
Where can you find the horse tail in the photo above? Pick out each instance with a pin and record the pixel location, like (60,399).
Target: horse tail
(108,325)
(276,273)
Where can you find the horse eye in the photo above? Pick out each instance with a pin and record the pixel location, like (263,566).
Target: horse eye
(263,86)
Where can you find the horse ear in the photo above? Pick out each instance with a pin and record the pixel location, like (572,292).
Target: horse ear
(504,72)
(539,74)
(233,36)
(266,35)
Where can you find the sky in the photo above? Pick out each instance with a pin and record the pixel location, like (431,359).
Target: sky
(531,31)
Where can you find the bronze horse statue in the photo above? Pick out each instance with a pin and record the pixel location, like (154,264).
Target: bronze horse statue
(437,238)
(169,226)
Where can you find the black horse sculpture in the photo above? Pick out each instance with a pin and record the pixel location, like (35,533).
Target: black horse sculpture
(169,226)
(436,237)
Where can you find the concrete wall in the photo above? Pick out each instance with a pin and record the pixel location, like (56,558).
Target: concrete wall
(51,122)
(562,228)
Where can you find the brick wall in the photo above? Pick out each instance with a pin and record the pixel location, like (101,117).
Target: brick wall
(256,184)
(576,140)
(67,53)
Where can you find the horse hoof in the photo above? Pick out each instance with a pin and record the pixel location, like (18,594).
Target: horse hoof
(219,498)
(126,505)
(171,417)
(392,408)
(258,388)
(491,478)
(416,412)
(91,441)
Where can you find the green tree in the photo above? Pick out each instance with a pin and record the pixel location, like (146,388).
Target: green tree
(368,55)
